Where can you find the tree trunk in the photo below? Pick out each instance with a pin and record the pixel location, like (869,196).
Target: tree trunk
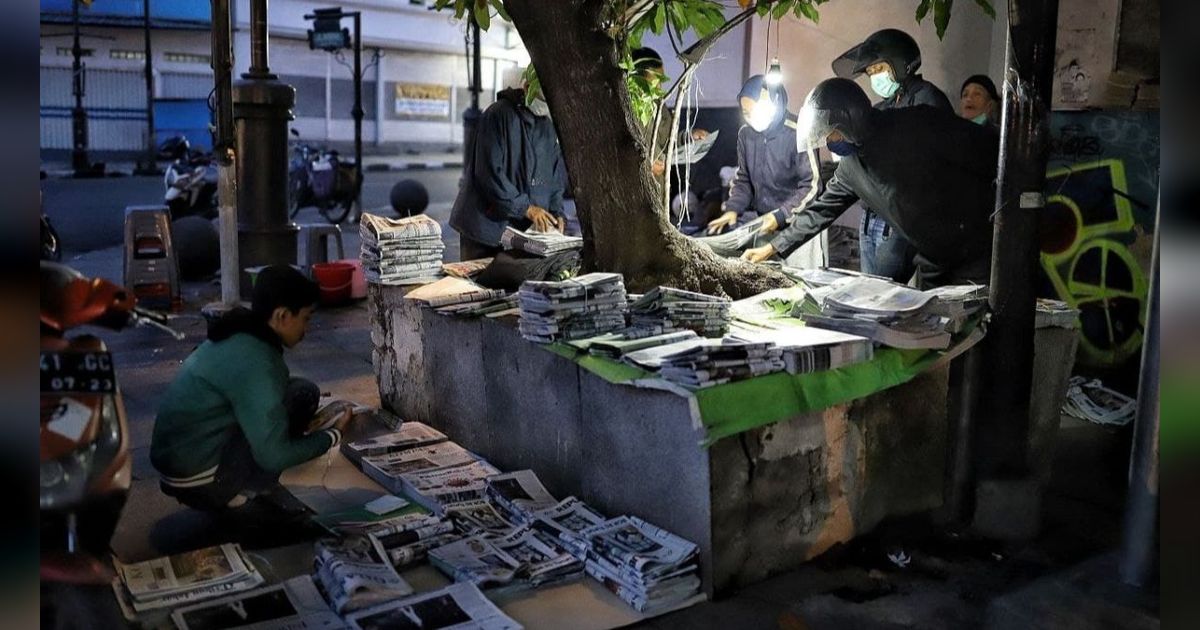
(625,229)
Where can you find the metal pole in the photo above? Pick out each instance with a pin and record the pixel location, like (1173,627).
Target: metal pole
(259,66)
(1139,551)
(471,116)
(1002,432)
(358,114)
(79,123)
(151,166)
(224,151)
(477,66)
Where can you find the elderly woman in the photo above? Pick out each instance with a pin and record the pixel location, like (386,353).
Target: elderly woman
(979,101)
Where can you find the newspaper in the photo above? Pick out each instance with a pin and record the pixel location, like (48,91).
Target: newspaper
(519,494)
(380,229)
(467,268)
(444,486)
(406,539)
(809,349)
(388,468)
(293,605)
(455,607)
(451,290)
(355,575)
(567,521)
(478,517)
(523,558)
(185,578)
(538,243)
(409,435)
(632,543)
(1090,400)
(690,150)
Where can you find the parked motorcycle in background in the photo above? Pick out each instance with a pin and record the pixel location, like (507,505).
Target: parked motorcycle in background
(84,445)
(321,178)
(190,180)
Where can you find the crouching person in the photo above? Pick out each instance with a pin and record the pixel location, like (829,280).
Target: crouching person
(233,419)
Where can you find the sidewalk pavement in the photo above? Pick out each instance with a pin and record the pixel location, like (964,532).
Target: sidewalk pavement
(371,164)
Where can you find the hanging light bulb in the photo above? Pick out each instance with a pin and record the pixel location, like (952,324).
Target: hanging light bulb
(774,74)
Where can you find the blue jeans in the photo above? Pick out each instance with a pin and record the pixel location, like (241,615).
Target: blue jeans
(883,251)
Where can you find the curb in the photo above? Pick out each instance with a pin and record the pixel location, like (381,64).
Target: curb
(410,166)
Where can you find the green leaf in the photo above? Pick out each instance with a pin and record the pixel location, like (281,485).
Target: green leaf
(678,19)
(781,8)
(806,9)
(763,8)
(441,4)
(460,9)
(483,18)
(660,19)
(987,8)
(498,5)
(923,9)
(941,15)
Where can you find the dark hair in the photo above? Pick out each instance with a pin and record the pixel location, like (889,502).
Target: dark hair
(282,285)
(645,58)
(983,81)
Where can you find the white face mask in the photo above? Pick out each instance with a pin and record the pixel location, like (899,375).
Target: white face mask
(761,115)
(539,108)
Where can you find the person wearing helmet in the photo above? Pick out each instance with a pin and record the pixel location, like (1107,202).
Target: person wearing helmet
(648,64)
(928,172)
(772,178)
(890,58)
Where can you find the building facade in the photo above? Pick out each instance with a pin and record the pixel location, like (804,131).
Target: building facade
(415,84)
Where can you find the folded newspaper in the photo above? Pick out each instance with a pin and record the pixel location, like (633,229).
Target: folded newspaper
(809,349)
(721,361)
(295,604)
(434,475)
(667,309)
(451,290)
(354,575)
(539,243)
(407,539)
(519,495)
(409,435)
(646,566)
(1090,400)
(566,522)
(883,311)
(457,606)
(520,559)
(183,578)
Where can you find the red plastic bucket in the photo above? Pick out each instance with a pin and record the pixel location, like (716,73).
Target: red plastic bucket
(334,280)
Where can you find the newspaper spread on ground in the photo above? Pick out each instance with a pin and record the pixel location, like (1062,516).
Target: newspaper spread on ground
(389,468)
(409,435)
(355,575)
(455,607)
(519,495)
(646,566)
(406,539)
(443,486)
(184,578)
(523,558)
(293,605)
(478,517)
(567,521)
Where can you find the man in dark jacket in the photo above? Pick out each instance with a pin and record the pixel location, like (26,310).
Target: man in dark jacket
(890,58)
(928,172)
(514,177)
(772,178)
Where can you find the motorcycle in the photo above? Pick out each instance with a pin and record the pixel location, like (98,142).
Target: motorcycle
(321,178)
(190,180)
(83,442)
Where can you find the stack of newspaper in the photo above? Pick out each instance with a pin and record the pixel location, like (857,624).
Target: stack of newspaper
(618,345)
(667,309)
(434,476)
(455,606)
(410,435)
(808,349)
(886,312)
(715,362)
(354,575)
(957,303)
(1056,314)
(539,243)
(451,291)
(401,251)
(183,578)
(520,559)
(647,567)
(581,307)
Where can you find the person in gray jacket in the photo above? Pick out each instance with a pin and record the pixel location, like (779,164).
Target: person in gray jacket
(891,58)
(515,175)
(772,178)
(927,171)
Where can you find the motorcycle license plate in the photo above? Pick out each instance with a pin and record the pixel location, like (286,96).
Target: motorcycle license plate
(81,372)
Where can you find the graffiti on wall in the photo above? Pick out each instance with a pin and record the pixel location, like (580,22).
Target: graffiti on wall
(1102,187)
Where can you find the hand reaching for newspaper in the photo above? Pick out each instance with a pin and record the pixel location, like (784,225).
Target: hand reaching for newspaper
(343,420)
(562,224)
(542,221)
(769,224)
(758,254)
(726,220)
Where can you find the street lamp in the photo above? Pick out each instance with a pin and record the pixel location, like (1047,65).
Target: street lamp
(327,34)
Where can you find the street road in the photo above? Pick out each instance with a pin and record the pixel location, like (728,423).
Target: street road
(89,213)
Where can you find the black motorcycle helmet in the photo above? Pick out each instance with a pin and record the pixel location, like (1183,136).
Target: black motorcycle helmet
(894,46)
(834,104)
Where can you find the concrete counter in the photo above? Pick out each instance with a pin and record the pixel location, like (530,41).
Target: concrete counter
(758,503)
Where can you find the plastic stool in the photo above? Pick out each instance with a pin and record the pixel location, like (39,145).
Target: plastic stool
(150,269)
(316,238)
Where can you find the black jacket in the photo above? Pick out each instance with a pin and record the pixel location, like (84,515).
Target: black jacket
(915,90)
(771,176)
(927,172)
(516,163)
